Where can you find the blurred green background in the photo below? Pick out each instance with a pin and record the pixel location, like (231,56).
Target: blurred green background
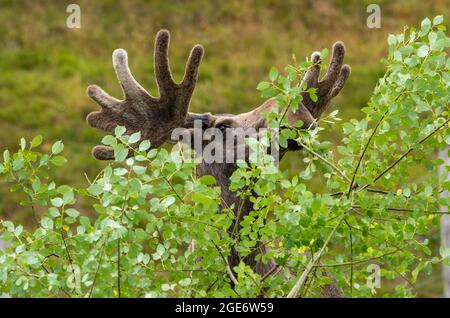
(45,67)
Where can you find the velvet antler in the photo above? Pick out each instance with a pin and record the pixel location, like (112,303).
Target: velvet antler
(331,83)
(154,117)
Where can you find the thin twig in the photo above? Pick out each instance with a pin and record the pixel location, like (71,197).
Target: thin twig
(301,281)
(410,150)
(401,210)
(94,281)
(358,261)
(118,267)
(69,257)
(173,189)
(351,257)
(212,285)
(326,161)
(402,276)
(229,271)
(358,164)
(270,272)
(33,210)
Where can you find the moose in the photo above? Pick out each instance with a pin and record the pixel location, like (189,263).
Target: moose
(157,117)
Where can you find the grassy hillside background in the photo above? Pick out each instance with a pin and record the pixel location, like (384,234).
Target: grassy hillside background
(45,67)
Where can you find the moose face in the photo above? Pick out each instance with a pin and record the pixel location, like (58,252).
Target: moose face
(222,137)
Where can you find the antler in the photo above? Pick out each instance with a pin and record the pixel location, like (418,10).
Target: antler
(331,83)
(154,117)
(328,87)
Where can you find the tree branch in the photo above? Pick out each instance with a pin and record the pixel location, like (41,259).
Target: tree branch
(229,271)
(410,150)
(301,281)
(326,161)
(403,210)
(357,261)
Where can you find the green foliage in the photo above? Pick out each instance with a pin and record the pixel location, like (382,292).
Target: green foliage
(150,207)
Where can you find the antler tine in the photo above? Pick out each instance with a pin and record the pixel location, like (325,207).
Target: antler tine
(335,66)
(103,153)
(102,98)
(340,82)
(108,103)
(131,88)
(163,75)
(190,78)
(191,71)
(332,82)
(312,75)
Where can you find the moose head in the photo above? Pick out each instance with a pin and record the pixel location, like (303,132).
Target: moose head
(157,117)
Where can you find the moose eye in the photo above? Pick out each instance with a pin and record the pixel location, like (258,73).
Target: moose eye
(223,127)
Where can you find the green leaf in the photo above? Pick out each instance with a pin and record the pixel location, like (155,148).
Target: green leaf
(95,189)
(444,251)
(134,137)
(425,26)
(23,143)
(57,147)
(54,212)
(73,213)
(160,249)
(9,226)
(432,37)
(392,39)
(47,223)
(121,155)
(273,74)
(207,180)
(6,155)
(120,171)
(17,164)
(58,160)
(438,19)
(139,170)
(68,197)
(312,94)
(36,141)
(423,51)
(145,144)
(30,258)
(262,86)
(168,201)
(18,230)
(57,202)
(185,282)
(119,131)
(199,197)
(108,140)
